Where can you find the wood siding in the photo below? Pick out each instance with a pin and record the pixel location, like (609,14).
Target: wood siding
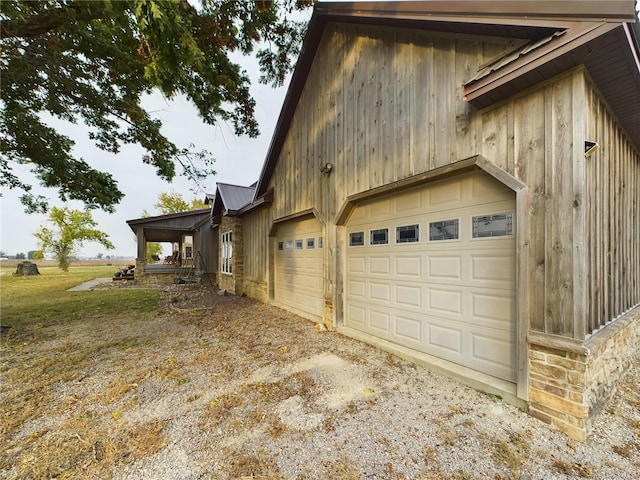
(383,104)
(613,219)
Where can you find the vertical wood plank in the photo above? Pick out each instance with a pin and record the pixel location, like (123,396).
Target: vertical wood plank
(529,148)
(387,100)
(494,135)
(579,260)
(403,164)
(559,255)
(466,65)
(442,100)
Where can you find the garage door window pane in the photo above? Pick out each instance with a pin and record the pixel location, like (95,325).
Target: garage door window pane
(499,225)
(280,245)
(298,244)
(444,230)
(319,242)
(408,234)
(311,243)
(288,245)
(379,236)
(356,239)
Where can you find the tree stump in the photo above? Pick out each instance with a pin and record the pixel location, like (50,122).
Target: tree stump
(27,268)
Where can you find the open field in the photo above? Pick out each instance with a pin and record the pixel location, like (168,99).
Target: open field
(182,383)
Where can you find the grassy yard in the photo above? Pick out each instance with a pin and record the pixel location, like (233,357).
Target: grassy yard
(37,358)
(33,302)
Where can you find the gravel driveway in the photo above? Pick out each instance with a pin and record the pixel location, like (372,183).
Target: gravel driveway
(240,389)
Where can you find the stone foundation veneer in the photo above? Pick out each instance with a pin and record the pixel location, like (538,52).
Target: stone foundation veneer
(571,382)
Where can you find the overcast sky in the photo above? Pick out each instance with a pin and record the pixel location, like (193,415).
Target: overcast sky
(238,161)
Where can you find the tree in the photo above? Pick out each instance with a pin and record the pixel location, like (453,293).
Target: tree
(93,61)
(31,254)
(69,230)
(174,202)
(20,256)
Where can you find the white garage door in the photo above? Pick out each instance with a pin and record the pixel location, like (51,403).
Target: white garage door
(298,267)
(434,269)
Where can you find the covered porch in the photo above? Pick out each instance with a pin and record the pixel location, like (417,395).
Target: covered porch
(192,249)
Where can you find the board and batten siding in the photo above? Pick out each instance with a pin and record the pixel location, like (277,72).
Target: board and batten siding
(613,218)
(383,104)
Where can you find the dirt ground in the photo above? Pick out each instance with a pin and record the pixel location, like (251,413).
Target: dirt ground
(221,387)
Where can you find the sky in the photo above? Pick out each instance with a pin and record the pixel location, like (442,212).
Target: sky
(238,161)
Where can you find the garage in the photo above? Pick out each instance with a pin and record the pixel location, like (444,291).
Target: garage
(298,267)
(433,269)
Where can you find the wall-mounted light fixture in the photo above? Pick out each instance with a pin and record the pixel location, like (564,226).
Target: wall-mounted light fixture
(326,168)
(590,148)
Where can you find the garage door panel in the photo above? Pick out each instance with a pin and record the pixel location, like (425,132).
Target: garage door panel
(357,315)
(408,296)
(446,338)
(408,329)
(410,203)
(445,302)
(445,196)
(408,266)
(493,309)
(452,298)
(380,321)
(380,292)
(298,275)
(356,264)
(380,209)
(357,288)
(493,356)
(445,267)
(379,265)
(491,268)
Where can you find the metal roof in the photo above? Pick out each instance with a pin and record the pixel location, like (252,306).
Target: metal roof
(556,29)
(171,227)
(233,197)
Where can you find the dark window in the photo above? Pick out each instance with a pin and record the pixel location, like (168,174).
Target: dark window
(444,230)
(311,243)
(379,236)
(499,225)
(407,234)
(280,245)
(319,242)
(356,239)
(299,244)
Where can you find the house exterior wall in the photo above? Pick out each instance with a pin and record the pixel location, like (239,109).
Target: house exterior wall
(232,283)
(613,217)
(384,104)
(256,252)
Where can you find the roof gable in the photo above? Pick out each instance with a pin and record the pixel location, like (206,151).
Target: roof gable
(231,198)
(556,29)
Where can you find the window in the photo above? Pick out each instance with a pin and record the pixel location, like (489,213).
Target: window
(280,245)
(298,244)
(379,236)
(444,230)
(311,243)
(408,234)
(499,225)
(288,245)
(356,239)
(319,242)
(188,252)
(227,253)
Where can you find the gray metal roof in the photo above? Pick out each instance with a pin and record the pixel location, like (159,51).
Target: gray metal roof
(234,197)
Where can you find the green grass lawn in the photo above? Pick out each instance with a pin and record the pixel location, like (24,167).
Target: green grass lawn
(43,300)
